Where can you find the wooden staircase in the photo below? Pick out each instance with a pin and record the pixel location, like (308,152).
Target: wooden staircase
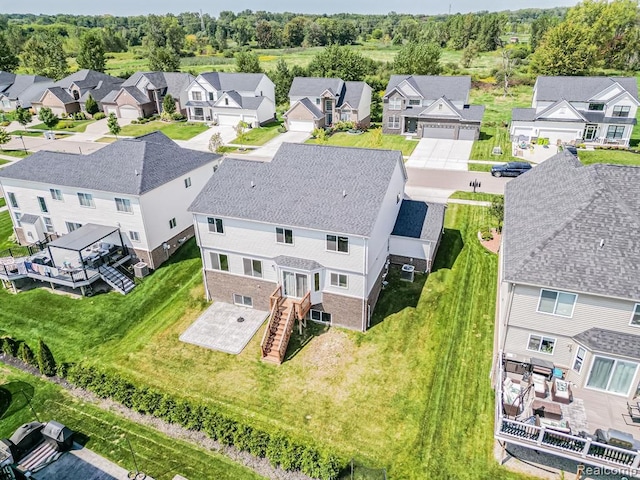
(284,312)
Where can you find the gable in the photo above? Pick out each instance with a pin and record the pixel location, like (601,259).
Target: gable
(561,111)
(227,102)
(625,98)
(608,93)
(407,89)
(49,99)
(441,108)
(300,112)
(125,98)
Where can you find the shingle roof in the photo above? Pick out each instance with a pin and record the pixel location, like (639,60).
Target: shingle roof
(420,220)
(24,82)
(315,86)
(87,79)
(353,93)
(33,93)
(29,218)
(303,186)
(246,103)
(62,95)
(431,87)
(608,341)
(173,82)
(575,89)
(130,166)
(523,114)
(309,105)
(242,82)
(137,95)
(559,214)
(297,263)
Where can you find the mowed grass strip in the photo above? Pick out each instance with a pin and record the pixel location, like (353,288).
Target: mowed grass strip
(175,131)
(14,153)
(364,140)
(617,157)
(106,432)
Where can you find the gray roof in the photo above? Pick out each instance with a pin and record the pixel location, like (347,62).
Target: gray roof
(137,95)
(469,113)
(242,82)
(130,166)
(309,105)
(61,94)
(598,117)
(173,83)
(353,93)
(246,103)
(420,220)
(608,341)
(83,237)
(557,216)
(315,86)
(33,93)
(6,79)
(431,87)
(334,189)
(576,89)
(24,82)
(523,114)
(297,263)
(29,219)
(87,79)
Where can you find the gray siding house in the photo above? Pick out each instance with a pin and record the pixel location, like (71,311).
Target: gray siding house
(431,107)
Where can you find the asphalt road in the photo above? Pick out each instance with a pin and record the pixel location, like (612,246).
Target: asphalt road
(455,180)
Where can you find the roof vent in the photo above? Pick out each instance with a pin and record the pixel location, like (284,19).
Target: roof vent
(137,172)
(601,243)
(344,193)
(253,184)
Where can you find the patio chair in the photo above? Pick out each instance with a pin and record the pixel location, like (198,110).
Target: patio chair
(540,386)
(634,412)
(561,391)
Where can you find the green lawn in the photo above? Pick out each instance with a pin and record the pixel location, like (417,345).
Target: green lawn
(481,197)
(411,395)
(106,139)
(3,161)
(618,157)
(17,133)
(68,125)
(3,202)
(6,230)
(15,153)
(176,131)
(259,135)
(389,142)
(106,433)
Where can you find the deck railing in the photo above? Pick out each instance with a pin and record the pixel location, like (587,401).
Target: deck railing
(273,320)
(302,306)
(288,329)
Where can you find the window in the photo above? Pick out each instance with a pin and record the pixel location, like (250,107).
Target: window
(395,103)
(345,115)
(187,182)
(134,236)
(12,199)
(579,360)
(43,205)
(317,101)
(18,216)
(615,131)
(339,280)
(242,300)
(394,121)
(71,226)
(538,343)
(328,105)
(123,205)
(252,268)
(284,235)
(86,200)
(172,223)
(557,303)
(635,316)
(48,224)
(211,96)
(596,107)
(415,102)
(337,244)
(611,375)
(219,261)
(316,282)
(226,101)
(197,96)
(56,194)
(318,316)
(215,225)
(621,111)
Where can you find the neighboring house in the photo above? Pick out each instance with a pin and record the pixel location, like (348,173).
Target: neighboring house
(142,186)
(589,110)
(70,94)
(431,107)
(18,90)
(569,295)
(142,94)
(316,102)
(229,98)
(322,222)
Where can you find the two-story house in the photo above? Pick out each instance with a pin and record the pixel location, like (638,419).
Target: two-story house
(141,185)
(70,94)
(589,110)
(142,94)
(18,90)
(569,301)
(427,106)
(317,222)
(230,98)
(321,102)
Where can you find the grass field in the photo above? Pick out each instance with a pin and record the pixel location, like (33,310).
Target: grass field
(6,230)
(3,202)
(68,125)
(14,153)
(481,197)
(259,135)
(106,139)
(389,142)
(618,157)
(3,161)
(176,131)
(106,433)
(412,394)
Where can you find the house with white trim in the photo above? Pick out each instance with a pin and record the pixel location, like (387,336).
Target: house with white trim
(229,98)
(579,110)
(318,224)
(17,90)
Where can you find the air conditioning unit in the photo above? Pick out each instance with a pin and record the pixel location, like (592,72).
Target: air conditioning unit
(141,270)
(407,272)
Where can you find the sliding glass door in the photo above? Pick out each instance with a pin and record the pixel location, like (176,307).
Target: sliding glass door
(295,284)
(614,376)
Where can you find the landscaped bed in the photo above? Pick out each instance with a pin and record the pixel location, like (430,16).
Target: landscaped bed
(174,130)
(389,142)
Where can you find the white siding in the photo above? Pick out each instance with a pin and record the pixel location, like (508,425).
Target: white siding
(267,88)
(518,340)
(364,107)
(410,247)
(266,111)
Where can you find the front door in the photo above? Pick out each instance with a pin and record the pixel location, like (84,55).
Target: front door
(590,133)
(295,284)
(411,125)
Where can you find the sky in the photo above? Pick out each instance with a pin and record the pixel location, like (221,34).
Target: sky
(139,7)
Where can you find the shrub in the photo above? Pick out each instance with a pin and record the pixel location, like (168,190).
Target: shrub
(9,346)
(26,355)
(5,124)
(486,235)
(46,362)
(178,117)
(99,116)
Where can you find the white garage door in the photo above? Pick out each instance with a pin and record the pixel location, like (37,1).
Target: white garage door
(466,133)
(232,120)
(526,132)
(558,135)
(439,131)
(301,126)
(57,110)
(127,111)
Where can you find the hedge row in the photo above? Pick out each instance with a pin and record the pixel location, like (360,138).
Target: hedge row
(43,359)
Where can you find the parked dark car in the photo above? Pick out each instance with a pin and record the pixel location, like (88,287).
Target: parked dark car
(571,149)
(511,169)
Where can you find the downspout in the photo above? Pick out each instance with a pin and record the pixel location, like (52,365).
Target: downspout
(365,319)
(204,274)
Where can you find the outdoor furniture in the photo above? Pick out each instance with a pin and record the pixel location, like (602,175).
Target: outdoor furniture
(511,397)
(547,410)
(540,386)
(561,391)
(634,412)
(542,367)
(558,425)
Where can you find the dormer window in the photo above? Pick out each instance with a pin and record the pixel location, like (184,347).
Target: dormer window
(210,95)
(596,107)
(197,96)
(76,95)
(317,101)
(439,106)
(415,102)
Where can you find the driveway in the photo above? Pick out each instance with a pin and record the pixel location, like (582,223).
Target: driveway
(71,144)
(440,153)
(201,141)
(436,183)
(269,149)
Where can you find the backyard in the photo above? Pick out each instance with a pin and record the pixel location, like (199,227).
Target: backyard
(6,228)
(176,131)
(364,140)
(421,371)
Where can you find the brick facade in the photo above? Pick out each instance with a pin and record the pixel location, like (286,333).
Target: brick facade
(345,311)
(222,286)
(158,256)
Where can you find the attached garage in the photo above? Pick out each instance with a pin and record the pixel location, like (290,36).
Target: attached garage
(301,125)
(558,135)
(467,133)
(58,110)
(447,132)
(127,111)
(229,120)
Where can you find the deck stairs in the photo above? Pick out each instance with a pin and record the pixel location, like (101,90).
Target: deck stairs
(116,279)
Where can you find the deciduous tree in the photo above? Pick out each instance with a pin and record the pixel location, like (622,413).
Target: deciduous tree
(23,116)
(8,60)
(215,142)
(4,137)
(248,62)
(46,116)
(91,54)
(43,55)
(113,125)
(418,59)
(342,62)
